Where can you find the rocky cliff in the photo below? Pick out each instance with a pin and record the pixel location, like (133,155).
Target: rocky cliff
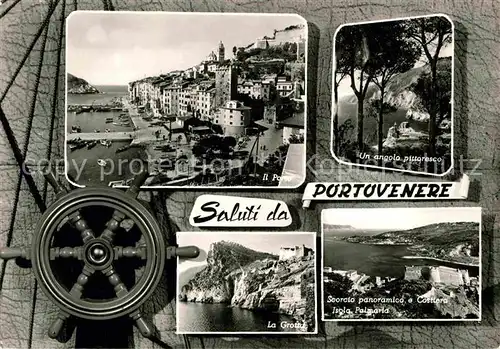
(79,86)
(254,280)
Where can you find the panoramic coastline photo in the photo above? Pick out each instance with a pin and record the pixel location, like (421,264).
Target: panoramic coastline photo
(248,282)
(402,264)
(224,107)
(393,95)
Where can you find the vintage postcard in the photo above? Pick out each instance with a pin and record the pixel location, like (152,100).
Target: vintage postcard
(402,264)
(199,99)
(248,283)
(393,95)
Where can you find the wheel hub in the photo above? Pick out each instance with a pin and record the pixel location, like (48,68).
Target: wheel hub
(98,254)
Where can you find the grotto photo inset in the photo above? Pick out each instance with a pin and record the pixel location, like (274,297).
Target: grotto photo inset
(393,95)
(248,283)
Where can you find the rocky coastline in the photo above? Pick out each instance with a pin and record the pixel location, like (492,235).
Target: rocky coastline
(76,85)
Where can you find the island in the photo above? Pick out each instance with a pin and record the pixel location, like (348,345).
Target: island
(78,85)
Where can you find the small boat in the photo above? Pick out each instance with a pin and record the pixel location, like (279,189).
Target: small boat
(97,131)
(106,143)
(91,144)
(76,146)
(101,162)
(76,129)
(121,149)
(107,130)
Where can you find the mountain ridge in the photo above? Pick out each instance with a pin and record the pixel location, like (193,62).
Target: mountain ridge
(452,241)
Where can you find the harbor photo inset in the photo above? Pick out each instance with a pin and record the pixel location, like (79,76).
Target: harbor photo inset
(402,264)
(393,95)
(196,99)
(248,283)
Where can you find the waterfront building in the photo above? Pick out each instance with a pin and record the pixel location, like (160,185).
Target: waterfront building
(226,81)
(212,67)
(181,119)
(256,89)
(234,117)
(204,103)
(284,86)
(186,97)
(171,99)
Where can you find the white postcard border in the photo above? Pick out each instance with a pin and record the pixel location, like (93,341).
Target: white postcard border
(404,320)
(316,310)
(332,139)
(155,187)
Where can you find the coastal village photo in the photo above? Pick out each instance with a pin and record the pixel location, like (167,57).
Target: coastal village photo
(217,107)
(392,94)
(246,283)
(401,264)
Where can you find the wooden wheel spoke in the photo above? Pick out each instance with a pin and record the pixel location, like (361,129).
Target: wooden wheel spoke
(116,282)
(66,252)
(81,281)
(112,225)
(81,225)
(130,252)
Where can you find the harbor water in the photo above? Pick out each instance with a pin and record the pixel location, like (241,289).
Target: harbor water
(82,163)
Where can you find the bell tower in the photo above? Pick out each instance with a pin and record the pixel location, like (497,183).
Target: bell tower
(221,52)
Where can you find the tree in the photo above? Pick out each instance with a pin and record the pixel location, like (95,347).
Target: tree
(235,49)
(342,64)
(393,54)
(228,142)
(431,33)
(354,39)
(423,87)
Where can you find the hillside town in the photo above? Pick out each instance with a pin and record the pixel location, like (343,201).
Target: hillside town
(242,111)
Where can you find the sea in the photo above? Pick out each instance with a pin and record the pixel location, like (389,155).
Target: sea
(201,317)
(120,166)
(377,260)
(350,110)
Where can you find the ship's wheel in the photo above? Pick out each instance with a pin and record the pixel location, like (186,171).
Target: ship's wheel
(93,267)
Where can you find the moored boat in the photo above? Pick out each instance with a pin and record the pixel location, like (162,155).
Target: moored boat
(121,149)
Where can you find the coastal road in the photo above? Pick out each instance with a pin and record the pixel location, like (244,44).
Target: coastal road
(97,136)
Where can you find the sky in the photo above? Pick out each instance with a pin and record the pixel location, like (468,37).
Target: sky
(262,242)
(107,48)
(399,218)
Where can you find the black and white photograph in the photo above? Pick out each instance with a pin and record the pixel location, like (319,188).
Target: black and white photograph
(393,95)
(248,283)
(196,99)
(401,264)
